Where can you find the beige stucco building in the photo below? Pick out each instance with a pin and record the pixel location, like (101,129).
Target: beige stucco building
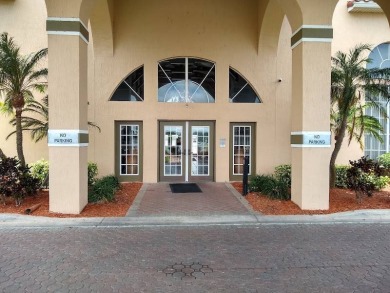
(182,90)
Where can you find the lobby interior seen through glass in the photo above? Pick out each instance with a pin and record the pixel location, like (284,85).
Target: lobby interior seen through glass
(186,80)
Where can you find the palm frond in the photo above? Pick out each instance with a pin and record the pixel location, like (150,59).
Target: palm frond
(354,89)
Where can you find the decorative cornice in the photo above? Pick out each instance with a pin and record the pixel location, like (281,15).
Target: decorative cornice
(367,6)
(312,33)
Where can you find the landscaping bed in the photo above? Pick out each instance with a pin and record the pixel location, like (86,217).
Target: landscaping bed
(340,200)
(118,208)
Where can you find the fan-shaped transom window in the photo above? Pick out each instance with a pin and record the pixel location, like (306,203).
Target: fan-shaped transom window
(186,80)
(240,90)
(131,88)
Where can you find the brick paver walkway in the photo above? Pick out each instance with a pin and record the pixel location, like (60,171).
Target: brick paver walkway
(273,258)
(215,199)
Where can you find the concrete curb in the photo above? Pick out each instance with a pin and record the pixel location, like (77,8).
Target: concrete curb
(360,216)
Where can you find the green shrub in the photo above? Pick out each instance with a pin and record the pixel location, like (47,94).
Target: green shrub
(283,173)
(257,182)
(270,186)
(103,189)
(364,177)
(384,160)
(368,166)
(16,180)
(381,182)
(40,170)
(341,176)
(92,173)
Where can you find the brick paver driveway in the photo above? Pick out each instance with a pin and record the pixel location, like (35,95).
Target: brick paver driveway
(252,258)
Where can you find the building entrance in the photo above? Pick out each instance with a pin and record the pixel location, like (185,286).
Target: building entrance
(186,152)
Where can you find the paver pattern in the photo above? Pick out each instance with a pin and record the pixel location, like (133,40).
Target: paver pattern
(262,258)
(215,199)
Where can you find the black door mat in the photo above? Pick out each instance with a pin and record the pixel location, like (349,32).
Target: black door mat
(184,187)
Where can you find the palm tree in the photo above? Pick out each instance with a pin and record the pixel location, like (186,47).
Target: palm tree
(359,123)
(38,126)
(19,78)
(352,84)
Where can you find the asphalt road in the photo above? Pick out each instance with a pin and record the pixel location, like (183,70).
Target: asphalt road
(247,258)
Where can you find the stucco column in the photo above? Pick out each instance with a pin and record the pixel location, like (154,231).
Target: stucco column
(310,136)
(68,133)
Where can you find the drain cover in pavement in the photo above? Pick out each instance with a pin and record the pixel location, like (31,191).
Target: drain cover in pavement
(184,187)
(190,270)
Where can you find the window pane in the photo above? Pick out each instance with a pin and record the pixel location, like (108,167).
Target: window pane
(132,88)
(129,145)
(372,147)
(201,81)
(172,156)
(241,147)
(240,91)
(199,150)
(171,80)
(174,87)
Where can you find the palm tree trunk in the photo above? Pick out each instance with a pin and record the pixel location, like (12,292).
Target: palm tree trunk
(336,150)
(19,137)
(2,156)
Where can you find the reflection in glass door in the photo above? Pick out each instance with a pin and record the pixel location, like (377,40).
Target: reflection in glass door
(173,155)
(200,136)
(186,151)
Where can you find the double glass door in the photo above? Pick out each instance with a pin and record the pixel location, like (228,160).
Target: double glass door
(186,151)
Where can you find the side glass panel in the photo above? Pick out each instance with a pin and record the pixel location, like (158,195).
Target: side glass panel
(241,148)
(240,91)
(173,156)
(200,137)
(132,88)
(129,149)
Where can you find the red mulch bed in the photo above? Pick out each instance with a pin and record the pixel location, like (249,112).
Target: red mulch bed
(123,200)
(340,200)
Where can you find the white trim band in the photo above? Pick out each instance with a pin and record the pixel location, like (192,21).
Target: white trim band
(309,146)
(68,34)
(311,132)
(68,145)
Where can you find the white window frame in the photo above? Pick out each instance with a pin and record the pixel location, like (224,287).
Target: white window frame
(126,146)
(244,145)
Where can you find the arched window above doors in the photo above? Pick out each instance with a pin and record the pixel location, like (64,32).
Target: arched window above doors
(186,80)
(380,56)
(240,90)
(131,88)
